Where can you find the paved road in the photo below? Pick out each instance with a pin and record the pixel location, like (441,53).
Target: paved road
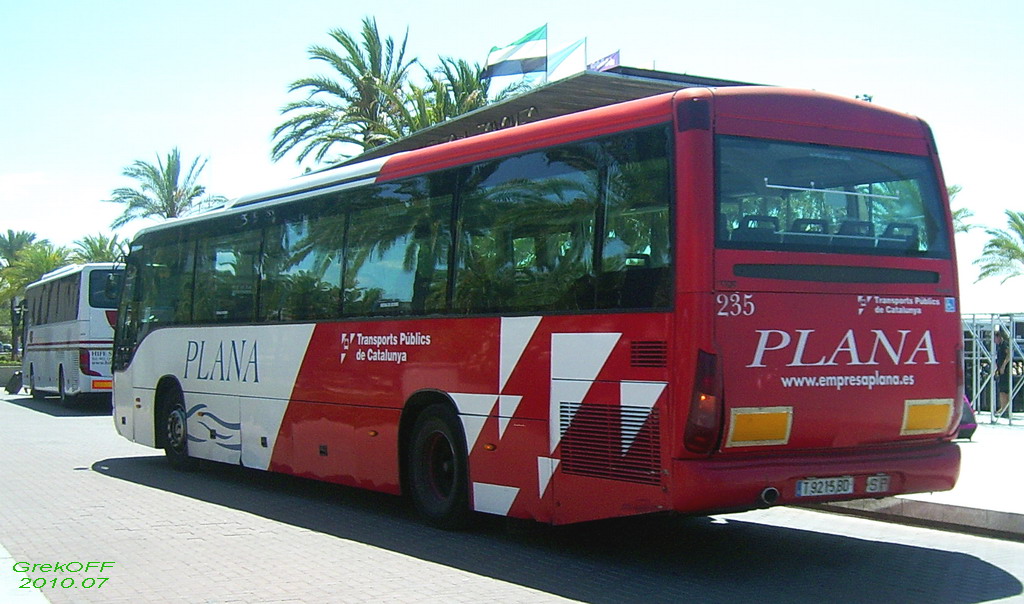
(71,491)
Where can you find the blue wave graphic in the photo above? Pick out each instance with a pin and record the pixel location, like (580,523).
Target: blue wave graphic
(232,428)
(201,406)
(218,435)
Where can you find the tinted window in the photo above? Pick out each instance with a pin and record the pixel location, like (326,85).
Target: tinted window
(227,277)
(163,283)
(396,252)
(578,227)
(104,288)
(776,195)
(302,265)
(572,228)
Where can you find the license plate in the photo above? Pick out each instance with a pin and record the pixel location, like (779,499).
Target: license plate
(820,487)
(879,483)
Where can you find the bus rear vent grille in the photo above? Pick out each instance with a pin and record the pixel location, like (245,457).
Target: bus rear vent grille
(613,442)
(648,353)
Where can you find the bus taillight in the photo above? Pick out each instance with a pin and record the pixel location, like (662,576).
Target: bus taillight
(704,423)
(84,363)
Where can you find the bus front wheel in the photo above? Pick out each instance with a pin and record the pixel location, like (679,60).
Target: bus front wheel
(36,394)
(176,433)
(437,471)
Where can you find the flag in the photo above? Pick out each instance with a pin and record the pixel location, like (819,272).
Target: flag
(526,55)
(605,63)
(571,59)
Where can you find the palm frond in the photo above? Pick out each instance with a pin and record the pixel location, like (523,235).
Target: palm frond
(1003,254)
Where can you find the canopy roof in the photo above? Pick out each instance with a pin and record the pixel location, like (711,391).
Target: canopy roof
(585,90)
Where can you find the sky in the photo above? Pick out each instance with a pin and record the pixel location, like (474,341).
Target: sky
(88,87)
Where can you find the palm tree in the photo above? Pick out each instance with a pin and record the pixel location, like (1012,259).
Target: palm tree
(1003,255)
(98,248)
(12,244)
(162,192)
(960,215)
(35,261)
(452,89)
(960,218)
(370,73)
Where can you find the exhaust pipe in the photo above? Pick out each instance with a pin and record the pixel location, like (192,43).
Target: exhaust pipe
(769,496)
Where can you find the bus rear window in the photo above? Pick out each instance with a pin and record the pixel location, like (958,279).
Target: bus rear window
(104,288)
(775,195)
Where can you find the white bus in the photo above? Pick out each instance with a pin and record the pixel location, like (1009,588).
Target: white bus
(70,315)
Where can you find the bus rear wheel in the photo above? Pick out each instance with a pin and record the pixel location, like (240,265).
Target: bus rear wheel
(437,468)
(176,433)
(62,389)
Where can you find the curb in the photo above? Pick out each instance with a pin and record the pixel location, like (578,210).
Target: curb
(990,523)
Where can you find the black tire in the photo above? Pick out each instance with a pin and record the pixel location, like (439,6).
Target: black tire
(175,427)
(437,468)
(36,394)
(65,398)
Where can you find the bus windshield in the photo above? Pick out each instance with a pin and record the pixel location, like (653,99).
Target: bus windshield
(775,195)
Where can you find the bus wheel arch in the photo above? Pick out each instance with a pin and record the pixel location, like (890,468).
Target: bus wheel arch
(34,392)
(434,460)
(170,424)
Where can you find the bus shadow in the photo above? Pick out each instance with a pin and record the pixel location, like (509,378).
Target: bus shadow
(649,559)
(93,406)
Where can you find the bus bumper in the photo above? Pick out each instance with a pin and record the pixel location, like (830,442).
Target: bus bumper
(730,483)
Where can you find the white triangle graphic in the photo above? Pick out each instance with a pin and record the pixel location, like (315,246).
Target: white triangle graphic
(473,425)
(546,467)
(507,405)
(637,394)
(515,335)
(576,361)
(493,498)
(474,409)
(563,391)
(580,356)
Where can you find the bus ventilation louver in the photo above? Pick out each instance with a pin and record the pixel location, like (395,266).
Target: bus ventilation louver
(648,353)
(611,441)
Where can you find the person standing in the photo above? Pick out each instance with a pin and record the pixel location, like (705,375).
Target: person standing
(1002,369)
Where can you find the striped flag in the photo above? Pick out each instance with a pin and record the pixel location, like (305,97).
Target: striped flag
(605,63)
(570,60)
(526,55)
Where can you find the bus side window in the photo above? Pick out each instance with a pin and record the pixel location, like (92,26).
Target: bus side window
(527,233)
(226,276)
(301,268)
(636,246)
(164,284)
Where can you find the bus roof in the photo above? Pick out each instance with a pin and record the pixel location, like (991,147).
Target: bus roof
(71,269)
(648,94)
(576,93)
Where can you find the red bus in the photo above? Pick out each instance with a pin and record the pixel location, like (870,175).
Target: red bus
(707,300)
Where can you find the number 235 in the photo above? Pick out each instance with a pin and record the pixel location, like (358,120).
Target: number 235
(735,305)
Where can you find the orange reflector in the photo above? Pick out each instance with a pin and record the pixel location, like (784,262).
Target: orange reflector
(757,426)
(102,384)
(926,416)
